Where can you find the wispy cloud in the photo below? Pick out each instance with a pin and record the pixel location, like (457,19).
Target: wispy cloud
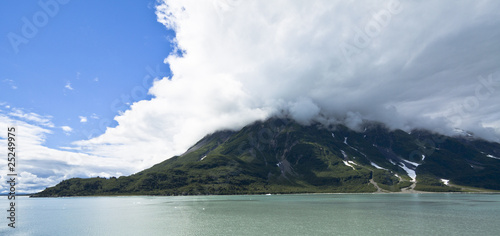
(67,129)
(68,86)
(32,117)
(83,119)
(10,83)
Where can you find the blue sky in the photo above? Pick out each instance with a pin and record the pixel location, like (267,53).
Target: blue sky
(88,61)
(76,87)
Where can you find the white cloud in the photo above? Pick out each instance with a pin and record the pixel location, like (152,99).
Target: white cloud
(303,110)
(10,83)
(83,119)
(248,60)
(406,71)
(67,129)
(32,117)
(42,167)
(68,86)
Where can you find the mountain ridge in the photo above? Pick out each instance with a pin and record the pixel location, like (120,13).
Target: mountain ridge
(283,156)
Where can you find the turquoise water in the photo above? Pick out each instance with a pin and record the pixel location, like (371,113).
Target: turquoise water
(321,214)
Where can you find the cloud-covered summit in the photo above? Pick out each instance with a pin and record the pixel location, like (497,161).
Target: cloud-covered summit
(408,64)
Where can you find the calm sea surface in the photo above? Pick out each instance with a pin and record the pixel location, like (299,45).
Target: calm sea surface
(322,214)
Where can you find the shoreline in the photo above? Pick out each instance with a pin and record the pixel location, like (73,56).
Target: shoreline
(272,194)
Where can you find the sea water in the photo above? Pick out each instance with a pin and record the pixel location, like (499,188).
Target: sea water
(308,214)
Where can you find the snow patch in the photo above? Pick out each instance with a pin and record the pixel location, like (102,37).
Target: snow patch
(353,148)
(413,163)
(333,135)
(494,157)
(203,158)
(343,153)
(446,182)
(392,162)
(377,166)
(410,172)
(352,163)
(423,157)
(348,164)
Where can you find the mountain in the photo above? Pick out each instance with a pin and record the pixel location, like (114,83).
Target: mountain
(282,156)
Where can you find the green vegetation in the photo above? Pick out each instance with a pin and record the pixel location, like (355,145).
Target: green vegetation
(388,181)
(280,156)
(432,184)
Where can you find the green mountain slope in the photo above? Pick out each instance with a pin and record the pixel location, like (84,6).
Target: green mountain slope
(281,156)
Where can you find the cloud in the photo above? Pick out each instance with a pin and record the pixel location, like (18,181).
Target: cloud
(406,70)
(32,117)
(412,65)
(67,129)
(10,83)
(42,167)
(83,119)
(68,86)
(303,110)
